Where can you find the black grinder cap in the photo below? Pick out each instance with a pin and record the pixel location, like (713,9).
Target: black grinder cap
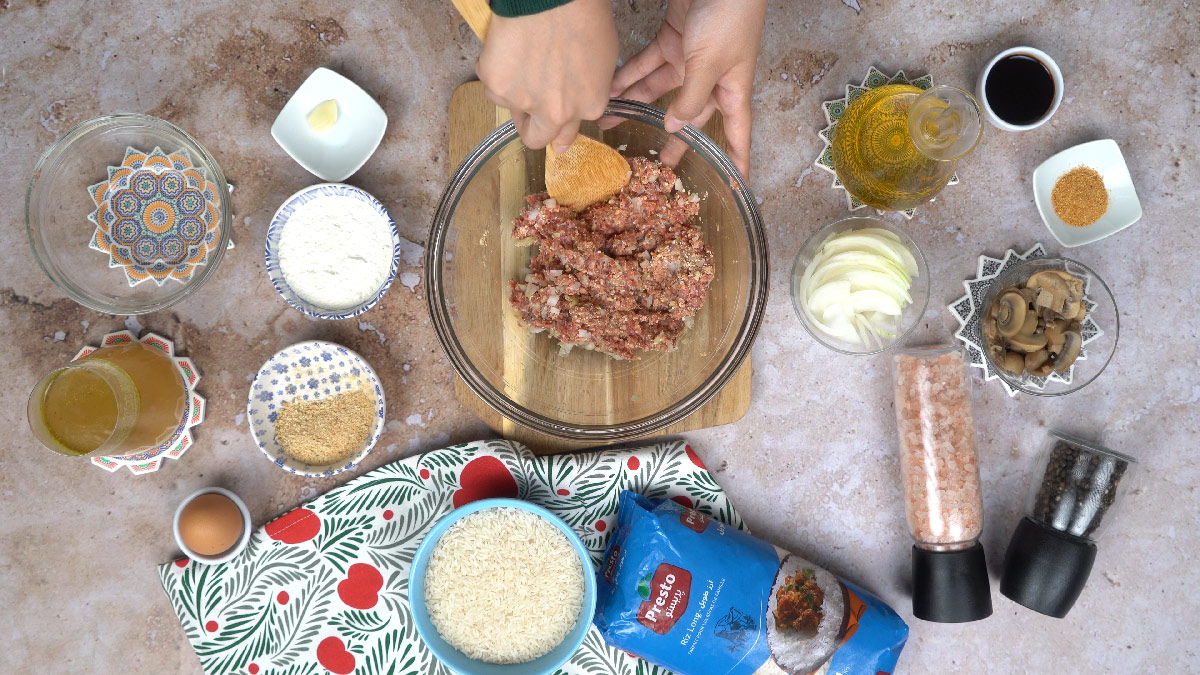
(951,586)
(1045,569)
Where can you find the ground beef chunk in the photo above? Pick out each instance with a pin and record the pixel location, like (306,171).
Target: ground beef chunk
(620,276)
(798,603)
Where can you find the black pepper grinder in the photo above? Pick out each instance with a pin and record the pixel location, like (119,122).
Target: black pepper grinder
(1052,551)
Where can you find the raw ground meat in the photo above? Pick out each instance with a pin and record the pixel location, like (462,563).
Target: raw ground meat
(623,275)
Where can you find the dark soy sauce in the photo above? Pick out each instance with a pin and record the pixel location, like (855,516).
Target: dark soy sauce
(1019,89)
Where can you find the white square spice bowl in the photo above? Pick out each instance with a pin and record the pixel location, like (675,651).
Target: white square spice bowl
(335,153)
(1105,157)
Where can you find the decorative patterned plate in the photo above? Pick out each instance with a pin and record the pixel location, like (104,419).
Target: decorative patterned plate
(279,222)
(837,107)
(157,216)
(324,588)
(967,310)
(309,371)
(149,459)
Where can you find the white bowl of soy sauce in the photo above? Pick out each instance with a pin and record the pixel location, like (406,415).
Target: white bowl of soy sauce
(1020,89)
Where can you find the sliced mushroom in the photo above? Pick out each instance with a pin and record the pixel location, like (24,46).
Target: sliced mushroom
(1055,335)
(1027,343)
(996,351)
(1074,309)
(1035,360)
(1011,314)
(1074,284)
(990,333)
(1052,290)
(1070,351)
(1013,362)
(1029,294)
(1044,370)
(1031,325)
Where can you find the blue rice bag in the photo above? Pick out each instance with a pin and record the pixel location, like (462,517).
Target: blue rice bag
(698,597)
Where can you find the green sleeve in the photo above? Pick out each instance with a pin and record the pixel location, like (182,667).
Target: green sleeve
(512,8)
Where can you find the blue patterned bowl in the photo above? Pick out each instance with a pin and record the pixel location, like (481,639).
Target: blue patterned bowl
(460,663)
(279,222)
(309,371)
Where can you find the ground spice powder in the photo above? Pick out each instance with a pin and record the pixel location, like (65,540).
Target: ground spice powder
(326,431)
(1079,196)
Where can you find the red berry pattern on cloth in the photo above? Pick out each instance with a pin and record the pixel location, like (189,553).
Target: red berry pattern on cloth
(484,478)
(332,656)
(334,573)
(295,527)
(361,587)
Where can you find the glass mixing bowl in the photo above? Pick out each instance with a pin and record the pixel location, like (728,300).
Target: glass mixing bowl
(57,206)
(586,395)
(1101,327)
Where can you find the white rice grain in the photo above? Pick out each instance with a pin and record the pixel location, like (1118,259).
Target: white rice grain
(504,586)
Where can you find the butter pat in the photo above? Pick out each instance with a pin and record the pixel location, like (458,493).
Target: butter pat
(324,116)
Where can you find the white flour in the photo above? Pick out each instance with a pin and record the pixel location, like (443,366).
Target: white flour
(335,252)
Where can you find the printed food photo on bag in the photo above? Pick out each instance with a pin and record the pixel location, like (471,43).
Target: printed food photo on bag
(696,596)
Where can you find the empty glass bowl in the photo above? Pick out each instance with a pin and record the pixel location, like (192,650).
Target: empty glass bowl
(586,395)
(1101,327)
(58,204)
(910,314)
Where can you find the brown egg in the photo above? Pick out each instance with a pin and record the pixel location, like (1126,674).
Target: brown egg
(210,524)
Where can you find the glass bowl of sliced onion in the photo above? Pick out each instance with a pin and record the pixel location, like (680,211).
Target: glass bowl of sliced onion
(860,285)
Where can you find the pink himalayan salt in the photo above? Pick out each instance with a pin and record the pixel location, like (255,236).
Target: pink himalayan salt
(938,466)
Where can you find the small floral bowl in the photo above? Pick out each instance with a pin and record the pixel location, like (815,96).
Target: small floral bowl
(279,222)
(309,371)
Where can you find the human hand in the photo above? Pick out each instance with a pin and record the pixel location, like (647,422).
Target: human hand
(708,49)
(551,69)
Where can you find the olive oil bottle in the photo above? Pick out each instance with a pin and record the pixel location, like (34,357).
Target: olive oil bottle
(896,146)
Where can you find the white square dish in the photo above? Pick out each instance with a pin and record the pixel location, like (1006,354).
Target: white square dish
(336,153)
(1105,157)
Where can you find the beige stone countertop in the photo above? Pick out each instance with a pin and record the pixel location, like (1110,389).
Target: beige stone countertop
(813,465)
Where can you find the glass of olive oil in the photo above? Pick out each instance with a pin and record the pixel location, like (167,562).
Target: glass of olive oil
(897,146)
(112,402)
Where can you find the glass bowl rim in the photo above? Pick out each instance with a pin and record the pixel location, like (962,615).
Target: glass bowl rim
(752,316)
(921,263)
(1116,328)
(51,270)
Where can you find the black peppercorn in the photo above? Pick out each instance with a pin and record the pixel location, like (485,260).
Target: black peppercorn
(1078,487)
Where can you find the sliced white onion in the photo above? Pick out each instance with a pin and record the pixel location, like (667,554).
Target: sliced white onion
(857,285)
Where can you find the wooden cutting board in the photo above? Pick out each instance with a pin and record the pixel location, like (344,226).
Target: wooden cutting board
(472,118)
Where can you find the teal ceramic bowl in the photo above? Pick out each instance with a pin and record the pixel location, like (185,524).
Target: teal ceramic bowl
(461,663)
